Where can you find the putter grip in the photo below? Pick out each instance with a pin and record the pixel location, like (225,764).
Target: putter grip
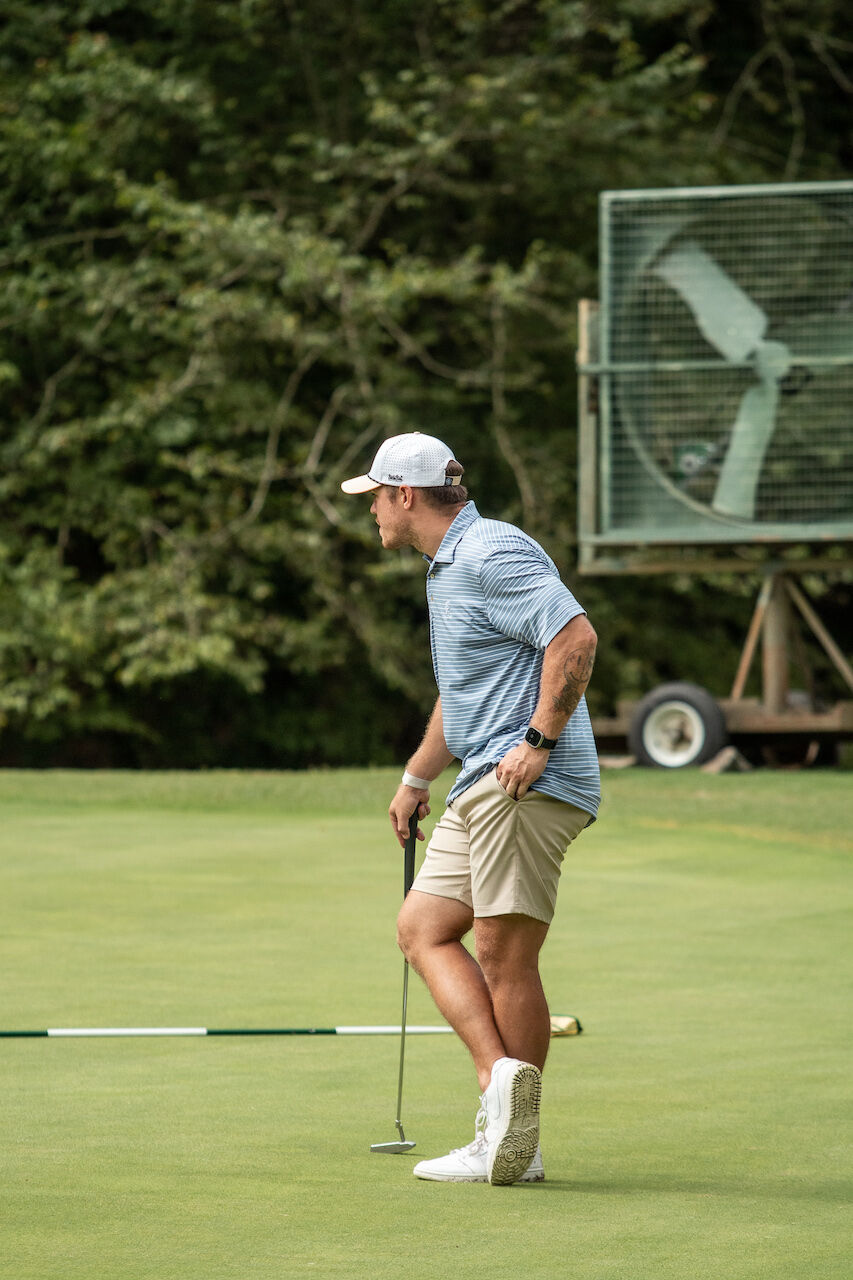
(409,855)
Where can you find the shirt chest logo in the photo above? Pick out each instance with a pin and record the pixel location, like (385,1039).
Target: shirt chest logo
(440,609)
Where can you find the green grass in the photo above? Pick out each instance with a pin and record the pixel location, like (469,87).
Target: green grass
(696,1129)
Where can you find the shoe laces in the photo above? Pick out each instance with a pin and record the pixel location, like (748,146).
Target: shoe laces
(479,1146)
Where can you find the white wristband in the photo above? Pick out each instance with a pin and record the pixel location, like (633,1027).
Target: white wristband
(419,784)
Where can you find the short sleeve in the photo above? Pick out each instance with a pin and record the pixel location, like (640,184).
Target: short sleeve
(524,596)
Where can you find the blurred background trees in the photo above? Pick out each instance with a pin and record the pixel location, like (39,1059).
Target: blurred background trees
(245,241)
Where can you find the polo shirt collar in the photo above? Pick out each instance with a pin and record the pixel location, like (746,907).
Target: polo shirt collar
(450,541)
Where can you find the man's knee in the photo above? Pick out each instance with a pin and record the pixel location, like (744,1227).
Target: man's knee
(428,921)
(407,930)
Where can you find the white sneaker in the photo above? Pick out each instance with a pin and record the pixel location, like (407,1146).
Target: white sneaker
(511,1103)
(469,1164)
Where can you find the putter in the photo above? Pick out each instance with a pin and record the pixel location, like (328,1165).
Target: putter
(402,1145)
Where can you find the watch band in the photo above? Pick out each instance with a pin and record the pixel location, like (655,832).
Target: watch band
(537,739)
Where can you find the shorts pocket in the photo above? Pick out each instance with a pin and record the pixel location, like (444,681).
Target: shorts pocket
(509,799)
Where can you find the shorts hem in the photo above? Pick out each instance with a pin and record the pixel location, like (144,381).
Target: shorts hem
(500,909)
(439,893)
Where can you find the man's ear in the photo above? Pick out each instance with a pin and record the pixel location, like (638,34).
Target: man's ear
(407,495)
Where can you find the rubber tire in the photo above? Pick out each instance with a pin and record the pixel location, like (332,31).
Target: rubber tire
(699,713)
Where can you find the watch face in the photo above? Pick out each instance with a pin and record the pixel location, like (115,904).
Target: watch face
(534,737)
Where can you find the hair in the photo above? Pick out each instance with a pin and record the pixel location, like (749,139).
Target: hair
(448,495)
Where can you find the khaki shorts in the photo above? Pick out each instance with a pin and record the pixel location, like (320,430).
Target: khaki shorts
(500,856)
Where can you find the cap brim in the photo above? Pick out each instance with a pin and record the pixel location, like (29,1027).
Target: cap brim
(360,484)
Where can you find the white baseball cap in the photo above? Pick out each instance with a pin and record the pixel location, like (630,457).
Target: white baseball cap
(413,459)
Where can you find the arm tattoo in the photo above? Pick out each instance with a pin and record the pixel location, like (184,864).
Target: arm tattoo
(577,670)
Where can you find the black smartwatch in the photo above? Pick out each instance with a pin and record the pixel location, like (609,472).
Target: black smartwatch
(537,739)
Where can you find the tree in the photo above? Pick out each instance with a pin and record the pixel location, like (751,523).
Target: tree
(245,242)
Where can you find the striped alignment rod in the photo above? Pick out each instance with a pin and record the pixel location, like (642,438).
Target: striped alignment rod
(561,1025)
(223,1031)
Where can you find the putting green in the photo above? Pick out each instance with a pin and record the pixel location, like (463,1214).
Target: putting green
(696,1128)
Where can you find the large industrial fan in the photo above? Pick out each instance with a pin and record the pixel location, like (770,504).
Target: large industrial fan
(716,430)
(725,355)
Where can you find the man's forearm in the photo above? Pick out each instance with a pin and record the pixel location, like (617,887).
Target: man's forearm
(432,755)
(566,671)
(423,768)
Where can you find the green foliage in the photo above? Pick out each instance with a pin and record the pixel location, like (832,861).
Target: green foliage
(243,242)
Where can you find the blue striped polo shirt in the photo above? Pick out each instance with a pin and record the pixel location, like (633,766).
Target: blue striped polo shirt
(495,601)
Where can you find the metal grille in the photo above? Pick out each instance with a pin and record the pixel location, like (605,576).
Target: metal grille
(726,364)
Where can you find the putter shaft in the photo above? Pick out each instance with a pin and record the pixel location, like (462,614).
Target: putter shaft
(399,1120)
(398,1148)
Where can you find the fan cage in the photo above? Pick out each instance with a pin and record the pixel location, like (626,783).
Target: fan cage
(673,374)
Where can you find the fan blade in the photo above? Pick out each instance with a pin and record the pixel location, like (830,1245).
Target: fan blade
(726,316)
(739,475)
(816,336)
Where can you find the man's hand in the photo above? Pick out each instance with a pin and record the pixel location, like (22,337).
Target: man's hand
(403,806)
(566,669)
(519,767)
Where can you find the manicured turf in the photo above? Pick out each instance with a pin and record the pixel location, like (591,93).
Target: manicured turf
(696,1128)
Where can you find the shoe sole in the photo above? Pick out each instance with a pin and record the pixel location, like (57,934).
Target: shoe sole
(516,1148)
(444,1177)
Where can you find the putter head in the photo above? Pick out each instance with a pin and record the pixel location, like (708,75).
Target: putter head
(392,1148)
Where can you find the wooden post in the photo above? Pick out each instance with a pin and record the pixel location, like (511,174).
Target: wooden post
(775,648)
(841,664)
(588,483)
(755,630)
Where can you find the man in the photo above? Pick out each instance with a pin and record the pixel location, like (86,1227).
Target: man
(512,653)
